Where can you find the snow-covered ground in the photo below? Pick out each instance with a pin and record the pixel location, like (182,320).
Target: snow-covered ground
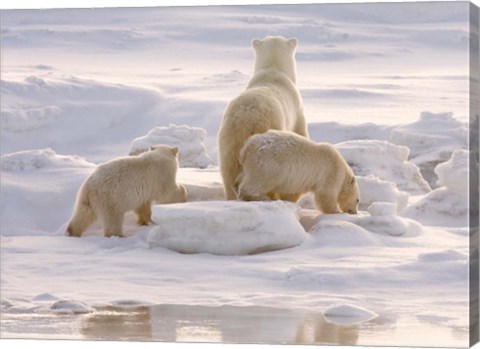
(387,83)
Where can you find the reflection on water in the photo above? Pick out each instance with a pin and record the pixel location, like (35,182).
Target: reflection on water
(229,324)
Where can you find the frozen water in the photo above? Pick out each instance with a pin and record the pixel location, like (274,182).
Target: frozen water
(347,314)
(385,160)
(453,173)
(432,139)
(449,204)
(226,227)
(188,139)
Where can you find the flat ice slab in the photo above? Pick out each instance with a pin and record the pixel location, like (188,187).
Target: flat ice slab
(348,315)
(226,227)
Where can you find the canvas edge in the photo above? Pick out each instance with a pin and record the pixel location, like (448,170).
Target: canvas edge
(474,113)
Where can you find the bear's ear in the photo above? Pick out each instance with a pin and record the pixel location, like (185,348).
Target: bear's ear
(292,43)
(352,182)
(174,151)
(256,43)
(153,147)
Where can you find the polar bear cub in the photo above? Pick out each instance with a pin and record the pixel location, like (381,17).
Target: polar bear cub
(270,101)
(285,163)
(124,184)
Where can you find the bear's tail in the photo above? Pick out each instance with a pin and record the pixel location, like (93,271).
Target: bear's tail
(230,168)
(83,215)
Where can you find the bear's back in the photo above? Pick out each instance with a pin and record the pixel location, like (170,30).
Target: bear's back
(130,170)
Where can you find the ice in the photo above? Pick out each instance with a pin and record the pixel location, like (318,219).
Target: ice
(348,314)
(441,207)
(69,307)
(432,139)
(226,228)
(373,189)
(453,174)
(449,204)
(385,160)
(188,139)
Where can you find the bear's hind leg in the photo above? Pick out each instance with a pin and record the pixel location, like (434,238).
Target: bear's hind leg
(144,213)
(326,202)
(113,224)
(82,218)
(230,170)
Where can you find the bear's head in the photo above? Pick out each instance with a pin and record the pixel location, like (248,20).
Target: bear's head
(165,150)
(349,196)
(276,52)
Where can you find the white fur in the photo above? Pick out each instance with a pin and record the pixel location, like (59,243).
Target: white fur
(280,164)
(271,101)
(124,184)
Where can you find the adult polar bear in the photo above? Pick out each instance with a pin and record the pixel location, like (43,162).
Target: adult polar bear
(271,101)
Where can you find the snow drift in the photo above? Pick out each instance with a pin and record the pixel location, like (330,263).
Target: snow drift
(40,158)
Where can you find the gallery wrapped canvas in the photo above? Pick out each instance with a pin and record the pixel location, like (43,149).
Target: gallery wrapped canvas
(322,182)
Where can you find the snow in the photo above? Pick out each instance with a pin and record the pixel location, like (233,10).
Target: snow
(226,228)
(382,209)
(105,83)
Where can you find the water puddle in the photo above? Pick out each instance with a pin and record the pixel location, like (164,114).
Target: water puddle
(228,324)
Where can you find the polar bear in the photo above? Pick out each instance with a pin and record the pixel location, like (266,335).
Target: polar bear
(271,101)
(283,162)
(124,184)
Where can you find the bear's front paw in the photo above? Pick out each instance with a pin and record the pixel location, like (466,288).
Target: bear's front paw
(71,232)
(143,221)
(118,235)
